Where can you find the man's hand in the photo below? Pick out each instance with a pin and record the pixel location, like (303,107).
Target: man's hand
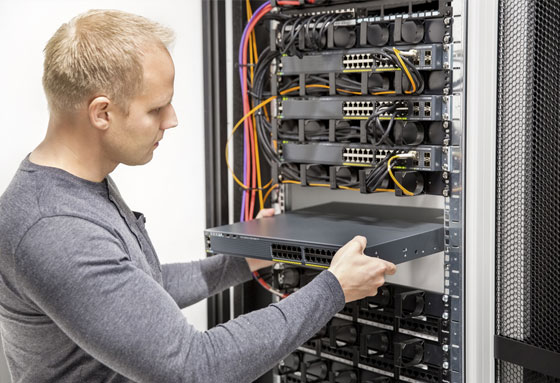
(265,213)
(359,275)
(257,264)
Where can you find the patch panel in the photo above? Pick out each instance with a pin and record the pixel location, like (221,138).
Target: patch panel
(428,108)
(424,58)
(378,24)
(429,157)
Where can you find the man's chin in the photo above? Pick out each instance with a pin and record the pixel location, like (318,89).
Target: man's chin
(138,162)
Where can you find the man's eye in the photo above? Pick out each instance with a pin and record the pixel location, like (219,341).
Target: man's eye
(156,111)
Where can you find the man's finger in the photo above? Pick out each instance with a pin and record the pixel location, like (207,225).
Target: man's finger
(266,213)
(390,268)
(362,242)
(358,241)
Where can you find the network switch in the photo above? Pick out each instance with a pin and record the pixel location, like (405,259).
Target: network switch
(311,236)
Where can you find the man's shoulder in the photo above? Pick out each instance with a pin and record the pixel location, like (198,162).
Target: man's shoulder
(36,193)
(19,205)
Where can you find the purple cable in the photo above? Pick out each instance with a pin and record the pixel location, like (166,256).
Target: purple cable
(243,92)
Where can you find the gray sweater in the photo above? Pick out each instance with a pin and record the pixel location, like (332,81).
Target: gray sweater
(83,297)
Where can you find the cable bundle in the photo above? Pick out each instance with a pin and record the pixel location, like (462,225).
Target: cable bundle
(251,165)
(313,28)
(257,127)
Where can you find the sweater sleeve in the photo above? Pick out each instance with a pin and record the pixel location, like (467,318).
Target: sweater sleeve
(188,283)
(81,277)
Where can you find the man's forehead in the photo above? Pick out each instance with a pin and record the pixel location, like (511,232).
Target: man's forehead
(159,73)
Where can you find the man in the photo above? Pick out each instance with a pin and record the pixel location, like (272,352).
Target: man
(83,297)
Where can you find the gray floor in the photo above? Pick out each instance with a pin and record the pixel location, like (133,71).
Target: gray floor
(4,374)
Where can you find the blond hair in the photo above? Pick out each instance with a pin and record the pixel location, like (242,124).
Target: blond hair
(99,53)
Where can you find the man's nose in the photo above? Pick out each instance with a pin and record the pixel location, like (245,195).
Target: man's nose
(170,120)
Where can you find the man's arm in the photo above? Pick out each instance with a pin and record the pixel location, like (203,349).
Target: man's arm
(191,282)
(81,277)
(188,283)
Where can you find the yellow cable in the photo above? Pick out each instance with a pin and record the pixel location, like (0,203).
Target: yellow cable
(348,188)
(386,92)
(406,71)
(394,179)
(340,187)
(257,159)
(269,191)
(347,91)
(251,112)
(266,114)
(289,90)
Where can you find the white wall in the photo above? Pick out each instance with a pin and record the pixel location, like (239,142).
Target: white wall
(170,189)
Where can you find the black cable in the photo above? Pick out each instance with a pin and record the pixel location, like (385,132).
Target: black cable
(317,36)
(387,131)
(376,176)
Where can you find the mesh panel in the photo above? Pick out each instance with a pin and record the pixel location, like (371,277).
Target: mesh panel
(528,199)
(514,138)
(512,373)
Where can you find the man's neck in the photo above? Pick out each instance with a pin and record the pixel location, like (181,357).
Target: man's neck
(66,148)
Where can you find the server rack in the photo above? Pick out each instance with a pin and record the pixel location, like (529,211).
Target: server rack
(507,65)
(450,291)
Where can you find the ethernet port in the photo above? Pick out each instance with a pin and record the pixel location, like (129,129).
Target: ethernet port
(428,58)
(427,159)
(416,109)
(416,59)
(427,109)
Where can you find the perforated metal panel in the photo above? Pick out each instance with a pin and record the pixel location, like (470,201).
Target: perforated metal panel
(528,180)
(509,372)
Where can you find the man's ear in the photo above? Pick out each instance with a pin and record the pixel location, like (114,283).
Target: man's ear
(98,112)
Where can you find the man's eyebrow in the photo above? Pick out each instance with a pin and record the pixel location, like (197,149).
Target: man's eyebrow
(163,103)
